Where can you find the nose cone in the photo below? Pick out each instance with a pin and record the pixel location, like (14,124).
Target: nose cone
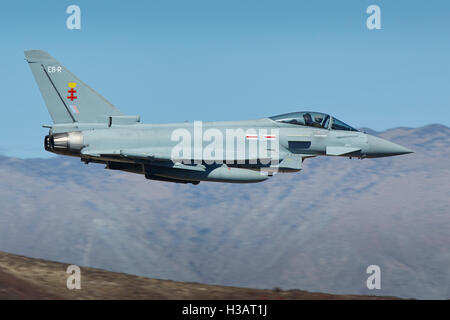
(382,148)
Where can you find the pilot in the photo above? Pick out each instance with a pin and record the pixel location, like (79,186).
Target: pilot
(318,120)
(308,119)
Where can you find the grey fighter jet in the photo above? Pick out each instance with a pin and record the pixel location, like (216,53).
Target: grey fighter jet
(87,126)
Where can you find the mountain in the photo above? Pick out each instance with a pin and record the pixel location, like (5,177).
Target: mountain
(316,230)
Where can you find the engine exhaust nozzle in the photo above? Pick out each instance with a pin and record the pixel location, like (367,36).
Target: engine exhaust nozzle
(68,141)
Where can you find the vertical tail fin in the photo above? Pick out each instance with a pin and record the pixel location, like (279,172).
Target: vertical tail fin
(68,99)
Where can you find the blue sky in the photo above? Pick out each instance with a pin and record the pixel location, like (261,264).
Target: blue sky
(172,61)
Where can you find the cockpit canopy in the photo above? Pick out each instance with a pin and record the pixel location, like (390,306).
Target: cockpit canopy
(312,119)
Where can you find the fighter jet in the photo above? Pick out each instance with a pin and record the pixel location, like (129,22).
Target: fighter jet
(87,126)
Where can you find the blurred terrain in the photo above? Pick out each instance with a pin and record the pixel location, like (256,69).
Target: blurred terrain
(23,278)
(316,230)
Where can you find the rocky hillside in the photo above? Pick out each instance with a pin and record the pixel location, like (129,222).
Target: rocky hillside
(26,278)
